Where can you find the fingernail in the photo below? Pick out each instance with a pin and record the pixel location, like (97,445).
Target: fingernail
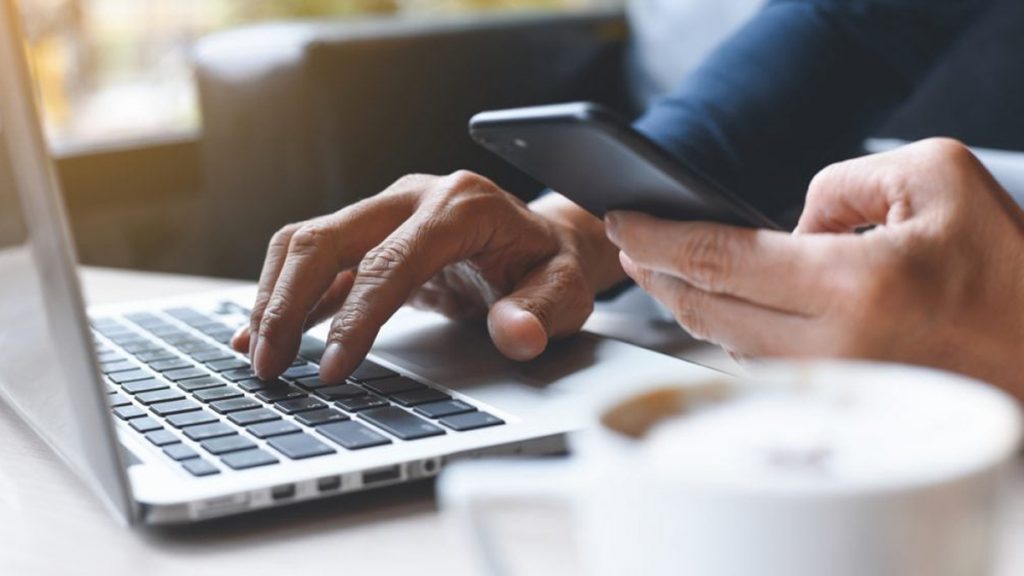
(333,357)
(611,226)
(260,356)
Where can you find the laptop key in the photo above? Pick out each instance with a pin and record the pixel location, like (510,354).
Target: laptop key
(270,429)
(416,397)
(162,438)
(299,405)
(225,444)
(184,374)
(170,364)
(110,356)
(249,417)
(175,407)
(395,385)
(284,392)
(180,452)
(144,424)
(234,405)
(371,371)
(199,467)
(227,364)
(214,394)
(352,435)
(165,395)
(128,412)
(191,419)
(155,355)
(205,431)
(129,376)
(311,348)
(304,371)
(147,385)
(471,421)
(333,393)
(239,374)
(361,403)
(117,366)
(248,459)
(299,446)
(117,400)
(444,408)
(211,355)
(255,384)
(318,417)
(311,383)
(400,423)
(201,383)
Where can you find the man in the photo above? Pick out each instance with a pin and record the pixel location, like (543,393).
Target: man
(796,89)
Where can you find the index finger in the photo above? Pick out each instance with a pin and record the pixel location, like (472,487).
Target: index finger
(771,268)
(316,253)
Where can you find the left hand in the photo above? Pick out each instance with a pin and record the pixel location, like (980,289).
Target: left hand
(938,281)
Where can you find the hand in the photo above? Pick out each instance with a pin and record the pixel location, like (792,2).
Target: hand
(938,281)
(456,244)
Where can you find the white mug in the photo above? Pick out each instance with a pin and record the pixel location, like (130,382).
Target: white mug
(807,469)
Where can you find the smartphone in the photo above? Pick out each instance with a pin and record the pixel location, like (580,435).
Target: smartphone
(594,158)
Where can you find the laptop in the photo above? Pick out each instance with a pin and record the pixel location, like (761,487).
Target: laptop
(149,405)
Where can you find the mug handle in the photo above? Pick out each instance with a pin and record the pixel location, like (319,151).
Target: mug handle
(465,488)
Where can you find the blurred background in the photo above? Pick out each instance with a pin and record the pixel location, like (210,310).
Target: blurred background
(186,132)
(115,70)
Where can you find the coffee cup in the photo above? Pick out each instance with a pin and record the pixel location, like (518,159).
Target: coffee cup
(799,469)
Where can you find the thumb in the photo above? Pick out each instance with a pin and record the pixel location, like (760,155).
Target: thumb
(553,301)
(853,194)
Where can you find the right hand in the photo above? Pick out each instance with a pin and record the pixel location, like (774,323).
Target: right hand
(457,244)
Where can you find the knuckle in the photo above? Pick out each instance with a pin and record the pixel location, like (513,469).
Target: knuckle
(947,151)
(283,236)
(271,322)
(409,182)
(465,179)
(354,315)
(701,259)
(385,259)
(309,238)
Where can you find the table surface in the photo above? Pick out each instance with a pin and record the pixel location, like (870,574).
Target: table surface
(50,523)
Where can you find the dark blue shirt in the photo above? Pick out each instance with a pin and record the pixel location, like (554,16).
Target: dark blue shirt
(800,86)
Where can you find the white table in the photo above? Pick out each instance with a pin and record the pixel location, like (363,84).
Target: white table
(51,525)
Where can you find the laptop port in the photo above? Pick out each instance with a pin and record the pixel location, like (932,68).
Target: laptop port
(379,476)
(328,483)
(283,492)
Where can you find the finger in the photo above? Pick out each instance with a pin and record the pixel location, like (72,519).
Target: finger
(389,274)
(738,326)
(272,264)
(774,269)
(317,252)
(552,301)
(240,339)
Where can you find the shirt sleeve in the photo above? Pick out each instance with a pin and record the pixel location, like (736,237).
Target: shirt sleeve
(800,86)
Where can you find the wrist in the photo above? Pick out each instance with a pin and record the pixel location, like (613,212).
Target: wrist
(598,256)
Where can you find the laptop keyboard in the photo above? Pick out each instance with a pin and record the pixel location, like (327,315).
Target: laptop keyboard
(173,378)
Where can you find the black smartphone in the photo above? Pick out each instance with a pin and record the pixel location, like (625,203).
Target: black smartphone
(599,161)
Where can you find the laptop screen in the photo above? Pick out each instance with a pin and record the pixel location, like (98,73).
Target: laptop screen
(48,372)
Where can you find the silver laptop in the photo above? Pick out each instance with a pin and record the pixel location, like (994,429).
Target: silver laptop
(167,424)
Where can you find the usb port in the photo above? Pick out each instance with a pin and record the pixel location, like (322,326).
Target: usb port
(328,483)
(388,474)
(282,492)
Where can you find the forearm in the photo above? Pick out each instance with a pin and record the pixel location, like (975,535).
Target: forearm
(800,87)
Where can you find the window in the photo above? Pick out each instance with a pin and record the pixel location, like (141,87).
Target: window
(115,70)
